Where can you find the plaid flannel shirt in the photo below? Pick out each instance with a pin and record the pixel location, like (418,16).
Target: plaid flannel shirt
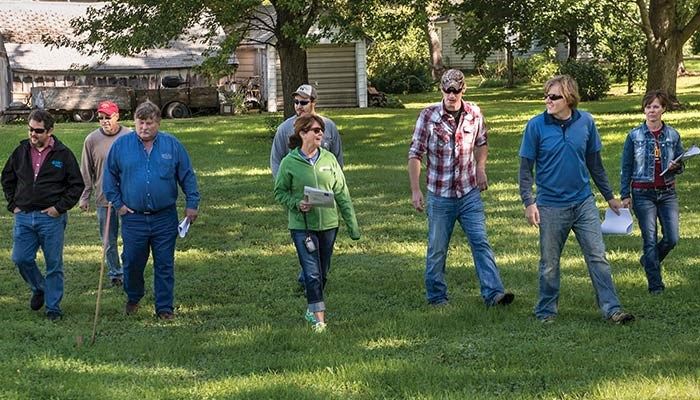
(449,144)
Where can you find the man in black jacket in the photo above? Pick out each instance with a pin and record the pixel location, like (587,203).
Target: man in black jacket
(41,181)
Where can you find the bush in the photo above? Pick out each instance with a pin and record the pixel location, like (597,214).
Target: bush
(536,69)
(400,66)
(592,80)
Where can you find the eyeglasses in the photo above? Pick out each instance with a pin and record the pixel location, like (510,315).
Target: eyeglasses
(452,90)
(302,102)
(104,117)
(37,130)
(314,130)
(553,97)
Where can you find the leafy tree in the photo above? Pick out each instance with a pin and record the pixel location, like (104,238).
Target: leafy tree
(667,26)
(624,47)
(486,26)
(576,21)
(132,26)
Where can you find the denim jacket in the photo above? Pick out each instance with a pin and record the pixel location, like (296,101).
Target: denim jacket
(638,156)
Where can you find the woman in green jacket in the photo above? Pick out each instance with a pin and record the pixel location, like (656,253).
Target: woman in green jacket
(313,228)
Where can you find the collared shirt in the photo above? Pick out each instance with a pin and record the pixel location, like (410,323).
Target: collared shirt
(38,157)
(449,145)
(147,181)
(559,150)
(311,160)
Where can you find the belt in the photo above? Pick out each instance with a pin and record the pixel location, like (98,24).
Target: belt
(664,187)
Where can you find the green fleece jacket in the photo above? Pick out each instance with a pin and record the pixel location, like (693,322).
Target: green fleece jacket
(295,173)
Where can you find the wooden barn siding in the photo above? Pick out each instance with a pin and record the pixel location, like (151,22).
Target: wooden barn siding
(4,80)
(450,57)
(332,72)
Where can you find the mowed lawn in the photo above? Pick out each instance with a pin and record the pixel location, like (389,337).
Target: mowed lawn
(240,333)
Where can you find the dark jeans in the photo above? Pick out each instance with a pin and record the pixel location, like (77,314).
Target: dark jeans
(143,234)
(315,265)
(650,205)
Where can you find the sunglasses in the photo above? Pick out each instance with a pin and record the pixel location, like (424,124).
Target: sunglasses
(302,102)
(314,130)
(452,90)
(37,130)
(104,117)
(553,97)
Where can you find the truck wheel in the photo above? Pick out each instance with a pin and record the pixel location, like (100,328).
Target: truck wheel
(83,115)
(177,110)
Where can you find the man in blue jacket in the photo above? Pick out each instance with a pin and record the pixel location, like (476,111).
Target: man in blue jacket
(141,178)
(41,181)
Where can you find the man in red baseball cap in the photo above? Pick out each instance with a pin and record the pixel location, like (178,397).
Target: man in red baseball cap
(95,150)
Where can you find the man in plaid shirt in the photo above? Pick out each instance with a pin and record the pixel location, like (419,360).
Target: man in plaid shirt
(452,135)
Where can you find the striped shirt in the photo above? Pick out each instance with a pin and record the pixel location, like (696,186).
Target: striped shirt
(449,145)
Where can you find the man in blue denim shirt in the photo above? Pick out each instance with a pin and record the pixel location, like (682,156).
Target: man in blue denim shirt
(564,145)
(41,181)
(141,181)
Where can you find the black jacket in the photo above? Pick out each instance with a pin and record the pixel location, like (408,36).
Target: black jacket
(58,184)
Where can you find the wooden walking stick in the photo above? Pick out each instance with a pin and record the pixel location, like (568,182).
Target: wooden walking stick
(105,242)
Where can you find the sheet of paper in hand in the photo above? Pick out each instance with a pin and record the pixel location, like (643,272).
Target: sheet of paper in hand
(688,154)
(184,227)
(617,224)
(318,197)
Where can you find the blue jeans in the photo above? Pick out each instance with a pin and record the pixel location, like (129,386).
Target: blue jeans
(112,254)
(143,234)
(650,205)
(555,225)
(442,214)
(315,265)
(32,230)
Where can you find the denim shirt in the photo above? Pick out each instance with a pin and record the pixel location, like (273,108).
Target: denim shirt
(638,156)
(147,182)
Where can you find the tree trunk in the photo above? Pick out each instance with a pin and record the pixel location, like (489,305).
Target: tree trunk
(630,73)
(294,71)
(663,67)
(573,46)
(510,66)
(435,47)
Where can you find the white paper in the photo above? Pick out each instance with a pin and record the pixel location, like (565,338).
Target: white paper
(183,227)
(318,197)
(690,153)
(617,224)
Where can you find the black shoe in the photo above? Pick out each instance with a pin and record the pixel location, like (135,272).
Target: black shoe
(505,299)
(117,282)
(37,300)
(131,308)
(621,318)
(53,316)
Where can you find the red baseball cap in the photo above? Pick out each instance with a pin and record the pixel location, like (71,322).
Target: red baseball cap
(108,108)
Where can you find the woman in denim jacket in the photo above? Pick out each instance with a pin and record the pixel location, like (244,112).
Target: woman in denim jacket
(650,149)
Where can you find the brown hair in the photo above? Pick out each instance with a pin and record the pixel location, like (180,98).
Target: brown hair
(147,110)
(42,116)
(303,123)
(569,89)
(655,94)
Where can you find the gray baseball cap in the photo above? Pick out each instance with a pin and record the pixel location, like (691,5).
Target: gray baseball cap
(452,79)
(306,91)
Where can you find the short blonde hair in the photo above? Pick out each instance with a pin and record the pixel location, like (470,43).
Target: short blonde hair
(569,89)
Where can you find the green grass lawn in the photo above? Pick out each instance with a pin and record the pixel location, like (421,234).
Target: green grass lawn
(240,333)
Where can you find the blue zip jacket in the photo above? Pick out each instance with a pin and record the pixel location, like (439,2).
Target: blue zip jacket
(638,156)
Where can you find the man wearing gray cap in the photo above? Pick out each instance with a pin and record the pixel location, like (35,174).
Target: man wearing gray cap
(304,103)
(451,136)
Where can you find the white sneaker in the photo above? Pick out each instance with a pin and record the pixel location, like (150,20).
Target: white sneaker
(319,327)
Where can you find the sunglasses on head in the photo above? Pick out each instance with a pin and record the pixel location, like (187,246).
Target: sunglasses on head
(314,130)
(553,97)
(302,102)
(452,90)
(37,130)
